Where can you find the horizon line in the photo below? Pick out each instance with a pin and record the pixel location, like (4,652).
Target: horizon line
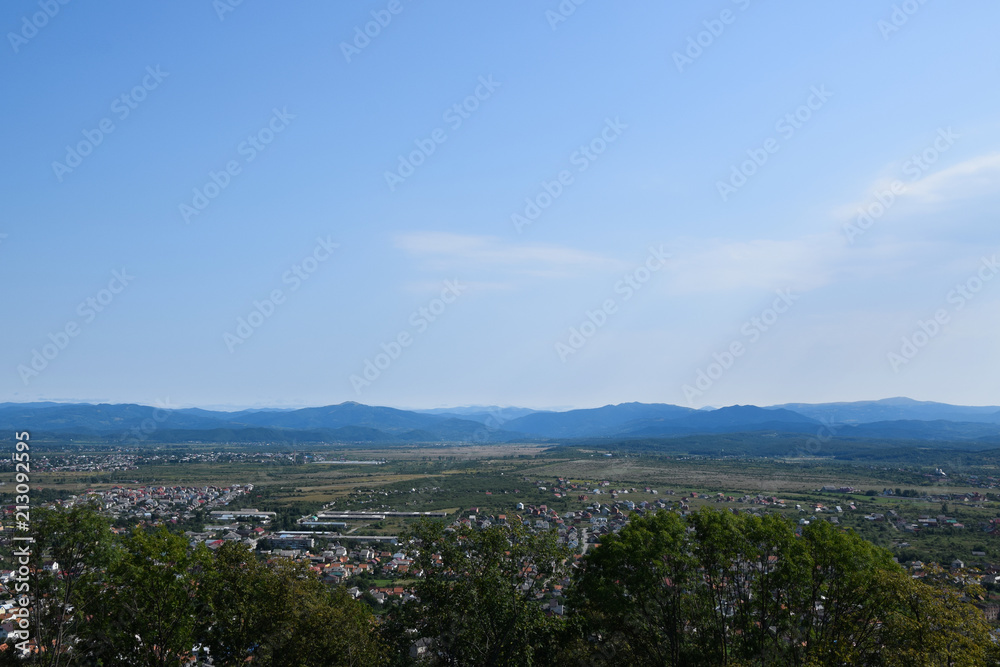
(237,408)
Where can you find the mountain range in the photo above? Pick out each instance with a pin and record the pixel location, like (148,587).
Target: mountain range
(350,422)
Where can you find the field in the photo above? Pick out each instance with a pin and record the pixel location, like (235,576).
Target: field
(494,479)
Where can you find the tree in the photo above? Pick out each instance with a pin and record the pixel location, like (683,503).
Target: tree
(709,589)
(930,627)
(145,610)
(715,588)
(843,597)
(76,545)
(632,593)
(237,597)
(478,602)
(317,626)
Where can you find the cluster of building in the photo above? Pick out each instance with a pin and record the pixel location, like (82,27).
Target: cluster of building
(968,497)
(983,482)
(159,503)
(232,457)
(126,458)
(960,575)
(563,488)
(110,462)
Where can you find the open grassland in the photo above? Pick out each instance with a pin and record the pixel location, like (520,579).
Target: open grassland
(499,469)
(730,475)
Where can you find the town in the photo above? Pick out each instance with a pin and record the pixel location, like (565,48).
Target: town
(359,541)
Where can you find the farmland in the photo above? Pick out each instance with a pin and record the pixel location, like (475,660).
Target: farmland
(492,480)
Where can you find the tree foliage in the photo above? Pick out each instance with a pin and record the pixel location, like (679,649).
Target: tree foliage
(144,609)
(479,601)
(78,543)
(716,588)
(709,588)
(147,598)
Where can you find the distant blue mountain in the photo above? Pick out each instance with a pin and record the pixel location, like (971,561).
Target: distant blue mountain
(937,430)
(893,409)
(344,414)
(368,422)
(593,422)
(483,414)
(84,418)
(733,419)
(890,419)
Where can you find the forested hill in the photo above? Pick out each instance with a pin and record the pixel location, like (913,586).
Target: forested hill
(890,419)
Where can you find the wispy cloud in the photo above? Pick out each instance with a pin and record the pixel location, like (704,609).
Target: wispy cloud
(441,251)
(974,177)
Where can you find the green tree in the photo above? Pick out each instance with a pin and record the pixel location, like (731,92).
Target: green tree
(841,599)
(315,625)
(932,627)
(633,593)
(145,609)
(70,549)
(479,601)
(280,614)
(236,593)
(715,588)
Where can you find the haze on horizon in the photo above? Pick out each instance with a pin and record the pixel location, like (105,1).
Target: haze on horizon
(501,205)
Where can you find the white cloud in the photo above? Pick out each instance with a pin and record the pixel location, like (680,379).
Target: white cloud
(978,176)
(974,177)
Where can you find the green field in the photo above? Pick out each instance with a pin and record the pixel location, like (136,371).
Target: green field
(493,479)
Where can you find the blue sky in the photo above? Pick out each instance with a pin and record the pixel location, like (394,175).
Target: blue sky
(499,203)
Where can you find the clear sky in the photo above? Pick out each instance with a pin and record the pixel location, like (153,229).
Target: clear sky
(516,203)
